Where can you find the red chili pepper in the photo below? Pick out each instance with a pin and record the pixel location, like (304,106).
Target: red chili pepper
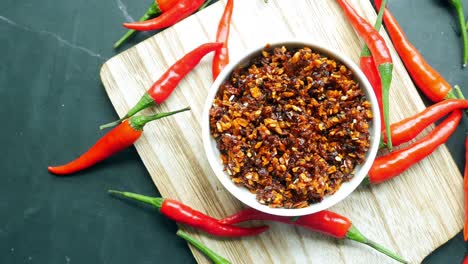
(114,141)
(381,54)
(166,84)
(465,260)
(182,213)
(165,5)
(408,128)
(325,222)
(181,10)
(427,79)
(156,8)
(213,256)
(221,57)
(372,73)
(465,187)
(391,165)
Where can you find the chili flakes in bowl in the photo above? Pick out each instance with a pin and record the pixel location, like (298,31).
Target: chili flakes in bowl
(291,126)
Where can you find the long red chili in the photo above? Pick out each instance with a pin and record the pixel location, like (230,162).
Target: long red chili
(166,84)
(369,69)
(114,141)
(380,53)
(156,8)
(221,57)
(427,79)
(181,10)
(396,162)
(182,213)
(465,260)
(325,222)
(465,187)
(408,128)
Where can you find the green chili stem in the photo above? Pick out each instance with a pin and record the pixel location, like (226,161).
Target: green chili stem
(463,28)
(217,259)
(382,143)
(460,95)
(354,234)
(152,11)
(450,95)
(145,101)
(204,5)
(385,71)
(365,52)
(366,181)
(461,18)
(154,201)
(294,218)
(138,122)
(459,92)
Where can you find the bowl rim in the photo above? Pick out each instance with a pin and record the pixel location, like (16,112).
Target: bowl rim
(241,193)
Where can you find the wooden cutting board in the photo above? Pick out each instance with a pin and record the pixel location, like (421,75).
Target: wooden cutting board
(412,214)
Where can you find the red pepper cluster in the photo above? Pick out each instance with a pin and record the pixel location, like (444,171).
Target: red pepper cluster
(376,63)
(425,77)
(130,127)
(431,84)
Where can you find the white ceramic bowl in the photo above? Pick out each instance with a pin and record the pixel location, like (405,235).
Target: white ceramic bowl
(241,192)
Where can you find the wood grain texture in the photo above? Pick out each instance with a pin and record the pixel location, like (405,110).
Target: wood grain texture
(412,214)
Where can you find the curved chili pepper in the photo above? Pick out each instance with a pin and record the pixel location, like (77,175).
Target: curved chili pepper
(465,260)
(408,128)
(166,84)
(213,256)
(325,222)
(381,54)
(396,162)
(114,141)
(156,8)
(370,70)
(181,10)
(427,79)
(465,187)
(221,57)
(182,213)
(458,5)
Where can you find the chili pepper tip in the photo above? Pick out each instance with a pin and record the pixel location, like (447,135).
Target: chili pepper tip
(53,170)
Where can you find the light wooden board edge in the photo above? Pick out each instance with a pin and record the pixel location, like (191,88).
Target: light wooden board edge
(439,161)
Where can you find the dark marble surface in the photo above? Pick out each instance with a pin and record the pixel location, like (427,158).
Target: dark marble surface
(52,101)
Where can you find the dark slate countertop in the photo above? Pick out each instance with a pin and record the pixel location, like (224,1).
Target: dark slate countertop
(52,101)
